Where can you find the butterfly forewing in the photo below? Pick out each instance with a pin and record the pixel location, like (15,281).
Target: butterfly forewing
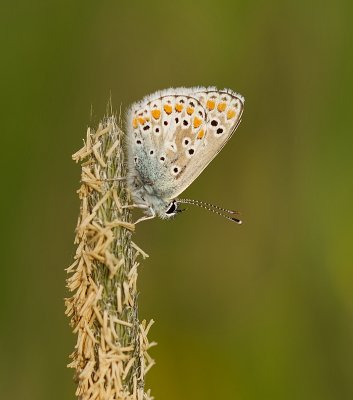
(223,115)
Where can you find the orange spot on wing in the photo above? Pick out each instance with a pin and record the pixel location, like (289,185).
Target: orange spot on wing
(190,110)
(210,104)
(156,113)
(168,108)
(201,134)
(141,120)
(134,123)
(221,107)
(231,114)
(197,122)
(178,107)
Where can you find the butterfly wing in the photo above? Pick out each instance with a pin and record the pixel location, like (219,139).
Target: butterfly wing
(175,134)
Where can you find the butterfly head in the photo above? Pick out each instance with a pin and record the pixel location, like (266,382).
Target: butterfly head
(172,209)
(166,210)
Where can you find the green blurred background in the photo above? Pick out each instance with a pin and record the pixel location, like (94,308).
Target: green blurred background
(258,311)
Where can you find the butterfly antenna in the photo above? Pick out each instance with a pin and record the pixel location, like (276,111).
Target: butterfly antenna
(198,202)
(213,208)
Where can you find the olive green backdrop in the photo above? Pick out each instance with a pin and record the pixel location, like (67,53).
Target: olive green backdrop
(258,311)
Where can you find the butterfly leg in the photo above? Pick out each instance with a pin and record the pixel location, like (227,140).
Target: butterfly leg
(146,217)
(144,207)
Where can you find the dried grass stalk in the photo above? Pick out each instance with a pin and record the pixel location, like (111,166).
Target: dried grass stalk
(110,356)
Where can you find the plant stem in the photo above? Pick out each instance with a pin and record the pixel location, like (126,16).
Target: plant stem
(110,356)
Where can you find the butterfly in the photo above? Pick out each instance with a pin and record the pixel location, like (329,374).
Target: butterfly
(172,135)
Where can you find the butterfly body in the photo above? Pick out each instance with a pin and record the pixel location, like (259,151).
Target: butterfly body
(172,136)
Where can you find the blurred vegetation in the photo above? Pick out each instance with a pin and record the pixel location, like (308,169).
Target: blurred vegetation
(258,311)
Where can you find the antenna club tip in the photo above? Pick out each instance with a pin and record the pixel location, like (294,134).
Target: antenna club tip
(238,221)
(234,212)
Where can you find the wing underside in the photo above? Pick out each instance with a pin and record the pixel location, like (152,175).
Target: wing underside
(174,136)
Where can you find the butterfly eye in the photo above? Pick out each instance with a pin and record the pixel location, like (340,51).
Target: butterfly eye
(172,208)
